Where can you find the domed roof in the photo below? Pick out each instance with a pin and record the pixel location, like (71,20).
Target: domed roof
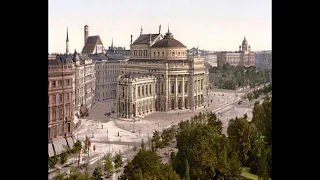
(168,41)
(244,41)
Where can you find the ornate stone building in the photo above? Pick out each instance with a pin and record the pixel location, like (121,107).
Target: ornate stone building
(85,82)
(243,57)
(60,103)
(159,76)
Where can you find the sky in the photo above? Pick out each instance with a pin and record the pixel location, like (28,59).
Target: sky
(215,25)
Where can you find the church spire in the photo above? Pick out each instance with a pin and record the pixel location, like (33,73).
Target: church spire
(112,43)
(141,31)
(67,43)
(67,35)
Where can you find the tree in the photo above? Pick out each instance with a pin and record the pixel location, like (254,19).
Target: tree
(147,161)
(108,165)
(118,160)
(97,174)
(146,165)
(235,166)
(156,140)
(214,121)
(86,145)
(63,157)
(172,157)
(142,144)
(77,150)
(75,174)
(187,174)
(239,132)
(60,176)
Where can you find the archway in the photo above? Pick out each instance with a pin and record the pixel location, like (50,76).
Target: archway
(172,103)
(134,110)
(180,103)
(186,103)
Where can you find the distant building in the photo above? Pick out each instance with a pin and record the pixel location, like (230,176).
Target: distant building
(264,59)
(92,44)
(60,103)
(243,57)
(211,59)
(107,71)
(85,82)
(118,50)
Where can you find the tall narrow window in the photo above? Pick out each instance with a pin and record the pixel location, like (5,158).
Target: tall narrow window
(172,88)
(69,128)
(162,90)
(147,90)
(150,89)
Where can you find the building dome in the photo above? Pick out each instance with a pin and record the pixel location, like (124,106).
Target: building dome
(244,41)
(168,41)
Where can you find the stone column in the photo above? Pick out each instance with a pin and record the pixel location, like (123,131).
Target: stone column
(176,93)
(182,93)
(167,93)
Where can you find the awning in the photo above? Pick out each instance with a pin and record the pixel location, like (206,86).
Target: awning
(50,150)
(59,145)
(70,142)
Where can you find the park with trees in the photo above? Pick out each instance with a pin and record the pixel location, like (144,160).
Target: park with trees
(233,77)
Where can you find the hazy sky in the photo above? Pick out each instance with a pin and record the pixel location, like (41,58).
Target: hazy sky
(210,24)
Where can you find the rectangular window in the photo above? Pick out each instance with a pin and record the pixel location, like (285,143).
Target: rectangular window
(68,82)
(147,90)
(54,84)
(142,90)
(138,91)
(172,88)
(60,130)
(162,53)
(54,131)
(185,86)
(60,98)
(60,112)
(150,89)
(54,114)
(69,128)
(162,90)
(53,99)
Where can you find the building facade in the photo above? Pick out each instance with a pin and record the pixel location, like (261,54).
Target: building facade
(264,59)
(60,97)
(243,57)
(211,59)
(85,82)
(160,76)
(107,71)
